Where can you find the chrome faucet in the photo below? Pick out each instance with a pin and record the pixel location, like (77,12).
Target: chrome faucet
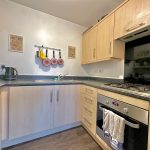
(59,77)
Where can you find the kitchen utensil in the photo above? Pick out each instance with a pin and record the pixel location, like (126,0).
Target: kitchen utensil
(60,61)
(10,73)
(42,55)
(54,60)
(46,62)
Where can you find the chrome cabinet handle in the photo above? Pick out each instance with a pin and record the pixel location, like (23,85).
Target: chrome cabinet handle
(58,96)
(135,27)
(51,96)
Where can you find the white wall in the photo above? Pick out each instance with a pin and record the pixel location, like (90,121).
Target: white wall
(106,69)
(42,29)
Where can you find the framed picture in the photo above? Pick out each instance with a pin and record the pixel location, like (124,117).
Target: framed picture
(15,43)
(71,52)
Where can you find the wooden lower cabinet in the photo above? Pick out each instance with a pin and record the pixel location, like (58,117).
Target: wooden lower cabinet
(89,107)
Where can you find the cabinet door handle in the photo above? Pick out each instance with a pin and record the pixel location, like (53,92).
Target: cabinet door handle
(135,27)
(110,48)
(57,96)
(51,96)
(93,52)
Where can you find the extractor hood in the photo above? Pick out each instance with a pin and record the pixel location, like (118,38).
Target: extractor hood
(137,34)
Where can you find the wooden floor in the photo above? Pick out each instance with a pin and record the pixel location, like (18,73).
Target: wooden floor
(74,139)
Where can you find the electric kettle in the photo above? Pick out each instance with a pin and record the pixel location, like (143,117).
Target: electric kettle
(10,73)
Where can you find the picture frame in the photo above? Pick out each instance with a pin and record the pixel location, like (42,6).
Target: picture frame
(15,43)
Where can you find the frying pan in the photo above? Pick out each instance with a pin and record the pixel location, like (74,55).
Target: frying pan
(60,61)
(54,60)
(46,61)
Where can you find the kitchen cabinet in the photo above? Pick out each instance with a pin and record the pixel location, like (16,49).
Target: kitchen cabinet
(89,41)
(67,105)
(92,44)
(89,108)
(4,112)
(85,47)
(107,48)
(132,16)
(30,110)
(33,109)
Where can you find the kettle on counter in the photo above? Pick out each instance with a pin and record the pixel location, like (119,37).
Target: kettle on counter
(10,73)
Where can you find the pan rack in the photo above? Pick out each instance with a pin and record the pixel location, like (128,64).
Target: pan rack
(47,48)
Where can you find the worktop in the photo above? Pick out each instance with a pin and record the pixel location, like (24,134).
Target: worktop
(100,84)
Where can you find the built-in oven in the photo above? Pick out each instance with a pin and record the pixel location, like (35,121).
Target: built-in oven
(136,127)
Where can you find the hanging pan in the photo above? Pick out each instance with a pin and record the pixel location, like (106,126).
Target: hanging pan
(54,60)
(60,61)
(46,61)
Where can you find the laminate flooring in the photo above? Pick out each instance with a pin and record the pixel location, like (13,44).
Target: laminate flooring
(73,139)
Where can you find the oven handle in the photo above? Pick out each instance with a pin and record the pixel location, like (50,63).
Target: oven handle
(130,124)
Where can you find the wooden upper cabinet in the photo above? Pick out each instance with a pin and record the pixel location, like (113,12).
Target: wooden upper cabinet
(132,16)
(89,40)
(107,48)
(92,44)
(146,11)
(85,47)
(105,38)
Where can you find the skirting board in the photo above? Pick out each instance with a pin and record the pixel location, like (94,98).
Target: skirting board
(8,143)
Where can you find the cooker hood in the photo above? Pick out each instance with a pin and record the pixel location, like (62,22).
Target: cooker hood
(137,34)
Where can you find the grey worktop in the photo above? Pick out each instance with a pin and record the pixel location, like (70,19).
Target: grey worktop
(94,83)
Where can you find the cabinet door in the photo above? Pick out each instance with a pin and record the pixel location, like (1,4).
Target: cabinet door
(146,11)
(130,17)
(92,44)
(67,105)
(30,110)
(85,47)
(105,38)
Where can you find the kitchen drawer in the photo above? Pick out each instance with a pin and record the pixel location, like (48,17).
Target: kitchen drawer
(89,125)
(90,91)
(89,101)
(89,113)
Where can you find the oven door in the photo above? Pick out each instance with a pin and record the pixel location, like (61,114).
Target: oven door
(136,134)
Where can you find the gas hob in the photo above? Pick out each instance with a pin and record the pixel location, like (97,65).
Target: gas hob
(131,86)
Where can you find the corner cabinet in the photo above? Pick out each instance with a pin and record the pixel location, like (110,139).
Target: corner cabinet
(30,110)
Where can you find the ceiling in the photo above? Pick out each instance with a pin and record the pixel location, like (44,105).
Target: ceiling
(82,12)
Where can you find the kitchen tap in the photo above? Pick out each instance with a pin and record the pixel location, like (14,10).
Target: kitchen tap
(59,77)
